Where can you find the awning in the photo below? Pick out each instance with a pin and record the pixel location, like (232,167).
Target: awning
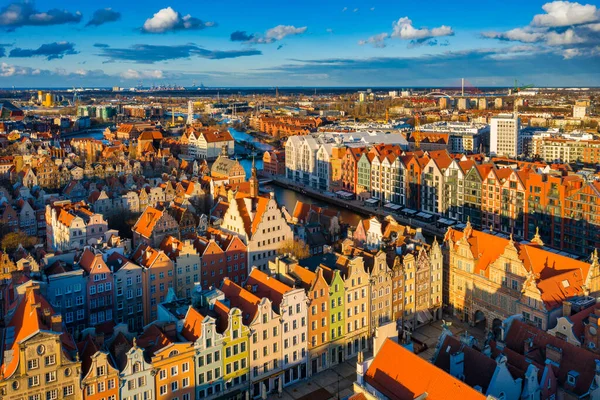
(409,211)
(424,215)
(372,201)
(445,221)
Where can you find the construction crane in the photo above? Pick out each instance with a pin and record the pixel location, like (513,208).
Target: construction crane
(520,88)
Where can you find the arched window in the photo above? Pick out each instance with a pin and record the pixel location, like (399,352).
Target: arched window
(173,353)
(137,367)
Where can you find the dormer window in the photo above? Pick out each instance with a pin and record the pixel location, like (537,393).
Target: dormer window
(572,377)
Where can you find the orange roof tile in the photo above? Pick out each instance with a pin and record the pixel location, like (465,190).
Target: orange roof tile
(401,375)
(192,325)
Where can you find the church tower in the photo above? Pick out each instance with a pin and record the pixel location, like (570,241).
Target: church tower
(254,181)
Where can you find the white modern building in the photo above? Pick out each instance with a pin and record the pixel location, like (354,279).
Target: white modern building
(505,137)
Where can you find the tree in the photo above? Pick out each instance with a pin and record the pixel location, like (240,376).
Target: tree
(11,241)
(295,247)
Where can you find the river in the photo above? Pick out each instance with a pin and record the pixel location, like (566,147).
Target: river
(285,197)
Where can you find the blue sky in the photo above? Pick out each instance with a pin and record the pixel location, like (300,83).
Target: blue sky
(395,43)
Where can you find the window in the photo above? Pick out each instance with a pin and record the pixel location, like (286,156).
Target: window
(50,360)
(174,371)
(163,390)
(68,390)
(33,363)
(186,367)
(162,374)
(101,387)
(50,376)
(34,380)
(174,386)
(100,371)
(52,394)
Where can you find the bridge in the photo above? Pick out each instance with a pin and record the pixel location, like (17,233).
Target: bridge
(438,94)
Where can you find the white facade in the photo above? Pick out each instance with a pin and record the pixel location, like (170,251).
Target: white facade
(579,112)
(504,135)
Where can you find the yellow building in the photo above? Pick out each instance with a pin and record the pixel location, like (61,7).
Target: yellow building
(42,362)
(48,102)
(235,346)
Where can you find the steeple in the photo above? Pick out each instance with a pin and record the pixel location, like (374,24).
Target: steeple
(468,231)
(254,180)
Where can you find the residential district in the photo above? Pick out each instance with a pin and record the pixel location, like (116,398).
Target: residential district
(398,244)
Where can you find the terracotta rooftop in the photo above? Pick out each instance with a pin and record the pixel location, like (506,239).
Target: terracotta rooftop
(399,374)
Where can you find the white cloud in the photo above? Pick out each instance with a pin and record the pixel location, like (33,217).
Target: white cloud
(344,9)
(277,33)
(524,35)
(376,40)
(593,27)
(571,53)
(568,37)
(8,70)
(169,20)
(163,21)
(404,29)
(281,31)
(148,74)
(565,13)
(355,10)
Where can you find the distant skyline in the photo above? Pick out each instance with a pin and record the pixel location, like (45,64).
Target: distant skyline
(374,43)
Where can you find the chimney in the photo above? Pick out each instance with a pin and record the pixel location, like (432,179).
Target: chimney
(554,354)
(567,307)
(56,323)
(527,346)
(457,365)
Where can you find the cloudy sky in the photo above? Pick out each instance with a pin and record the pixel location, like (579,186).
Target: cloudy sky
(309,43)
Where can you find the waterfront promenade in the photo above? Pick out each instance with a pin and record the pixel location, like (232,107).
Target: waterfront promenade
(356,206)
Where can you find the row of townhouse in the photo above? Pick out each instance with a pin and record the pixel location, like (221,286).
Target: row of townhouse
(270,331)
(101,284)
(501,196)
(260,336)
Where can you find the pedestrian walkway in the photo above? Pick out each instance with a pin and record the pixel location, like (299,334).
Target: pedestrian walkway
(333,383)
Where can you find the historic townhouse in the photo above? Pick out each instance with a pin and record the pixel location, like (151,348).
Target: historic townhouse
(186,263)
(136,374)
(100,287)
(206,143)
(363,176)
(356,287)
(201,329)
(43,361)
(291,303)
(67,291)
(432,179)
(258,222)
(130,293)
(493,278)
(173,361)
(317,292)
(337,313)
(413,176)
(503,200)
(157,278)
(221,255)
(453,193)
(380,279)
(99,376)
(69,226)
(265,342)
(153,226)
(236,346)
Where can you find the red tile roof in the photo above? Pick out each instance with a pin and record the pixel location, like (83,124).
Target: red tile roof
(401,375)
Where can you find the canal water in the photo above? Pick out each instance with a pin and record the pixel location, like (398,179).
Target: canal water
(285,197)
